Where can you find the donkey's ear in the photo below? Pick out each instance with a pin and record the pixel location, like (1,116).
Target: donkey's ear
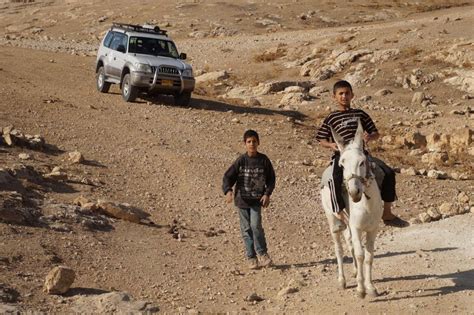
(338,139)
(359,135)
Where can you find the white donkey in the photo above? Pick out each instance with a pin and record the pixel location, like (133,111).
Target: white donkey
(364,206)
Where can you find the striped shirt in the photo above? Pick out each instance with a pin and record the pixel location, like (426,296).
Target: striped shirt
(345,124)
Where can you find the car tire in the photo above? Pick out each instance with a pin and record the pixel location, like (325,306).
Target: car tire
(129,92)
(182,99)
(102,85)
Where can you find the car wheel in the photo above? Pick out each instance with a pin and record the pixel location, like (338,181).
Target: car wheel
(102,85)
(129,92)
(182,99)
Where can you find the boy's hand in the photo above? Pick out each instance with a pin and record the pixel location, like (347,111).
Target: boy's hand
(228,196)
(334,147)
(265,201)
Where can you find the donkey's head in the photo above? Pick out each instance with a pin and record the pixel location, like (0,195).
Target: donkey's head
(354,163)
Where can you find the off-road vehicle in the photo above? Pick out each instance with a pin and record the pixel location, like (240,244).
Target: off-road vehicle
(143,59)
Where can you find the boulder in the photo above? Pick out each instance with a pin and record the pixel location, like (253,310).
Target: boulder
(212,77)
(415,140)
(462,197)
(437,142)
(424,217)
(435,158)
(437,174)
(118,211)
(434,213)
(75,157)
(112,303)
(461,139)
(448,209)
(59,280)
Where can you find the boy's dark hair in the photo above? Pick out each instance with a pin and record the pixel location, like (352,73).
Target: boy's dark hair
(341,84)
(251,133)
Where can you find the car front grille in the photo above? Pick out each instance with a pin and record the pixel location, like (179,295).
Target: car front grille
(166,70)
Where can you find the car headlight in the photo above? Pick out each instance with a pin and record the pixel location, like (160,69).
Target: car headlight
(143,67)
(187,72)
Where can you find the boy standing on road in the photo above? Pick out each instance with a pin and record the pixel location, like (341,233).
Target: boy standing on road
(254,179)
(344,121)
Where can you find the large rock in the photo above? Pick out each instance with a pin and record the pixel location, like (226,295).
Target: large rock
(212,77)
(75,157)
(59,280)
(435,158)
(437,142)
(463,80)
(112,303)
(415,140)
(448,209)
(461,139)
(122,211)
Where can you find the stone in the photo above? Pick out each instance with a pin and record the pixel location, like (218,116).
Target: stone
(411,171)
(418,98)
(437,174)
(75,157)
(120,211)
(448,209)
(81,200)
(415,140)
(292,99)
(212,77)
(287,290)
(59,280)
(24,156)
(462,197)
(8,295)
(437,142)
(424,217)
(461,139)
(383,92)
(254,297)
(435,158)
(112,302)
(434,213)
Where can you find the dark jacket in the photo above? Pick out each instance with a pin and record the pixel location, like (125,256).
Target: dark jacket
(253,177)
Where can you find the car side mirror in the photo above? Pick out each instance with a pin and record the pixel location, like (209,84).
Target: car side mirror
(121,48)
(182,56)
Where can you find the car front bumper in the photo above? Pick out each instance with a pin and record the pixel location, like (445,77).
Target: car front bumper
(163,83)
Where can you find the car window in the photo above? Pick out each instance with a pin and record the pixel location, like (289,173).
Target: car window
(108,39)
(118,39)
(152,46)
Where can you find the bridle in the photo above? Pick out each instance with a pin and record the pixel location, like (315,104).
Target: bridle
(365,180)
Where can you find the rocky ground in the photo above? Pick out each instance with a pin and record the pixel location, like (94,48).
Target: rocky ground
(127,195)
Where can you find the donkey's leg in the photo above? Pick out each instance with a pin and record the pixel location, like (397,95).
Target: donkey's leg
(348,238)
(369,258)
(359,254)
(336,236)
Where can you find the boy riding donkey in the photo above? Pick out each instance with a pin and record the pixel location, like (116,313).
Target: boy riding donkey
(344,121)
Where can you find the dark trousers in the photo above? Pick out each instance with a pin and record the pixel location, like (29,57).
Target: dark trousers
(388,191)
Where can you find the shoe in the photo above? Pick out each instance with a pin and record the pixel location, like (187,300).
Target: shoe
(265,260)
(396,222)
(252,263)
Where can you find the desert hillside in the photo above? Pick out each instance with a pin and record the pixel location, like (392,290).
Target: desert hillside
(128,195)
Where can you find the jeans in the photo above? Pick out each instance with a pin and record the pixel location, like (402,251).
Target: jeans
(252,231)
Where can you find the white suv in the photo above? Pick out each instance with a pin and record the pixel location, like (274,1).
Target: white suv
(143,59)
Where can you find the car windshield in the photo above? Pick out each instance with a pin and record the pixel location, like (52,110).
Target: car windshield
(152,46)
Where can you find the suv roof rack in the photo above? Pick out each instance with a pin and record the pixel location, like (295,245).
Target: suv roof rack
(140,28)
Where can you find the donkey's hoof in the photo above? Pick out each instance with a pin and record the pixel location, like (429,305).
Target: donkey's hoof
(373,293)
(361,294)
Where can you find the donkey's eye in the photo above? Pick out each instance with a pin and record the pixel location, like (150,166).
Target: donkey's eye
(361,164)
